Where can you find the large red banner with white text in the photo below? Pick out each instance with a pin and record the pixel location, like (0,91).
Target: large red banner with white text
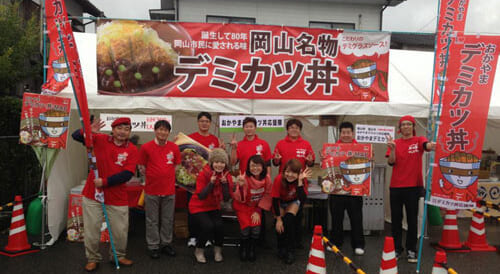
(240,61)
(452,15)
(466,97)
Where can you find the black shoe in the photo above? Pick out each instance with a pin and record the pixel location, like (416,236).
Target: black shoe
(243,249)
(251,250)
(290,258)
(154,253)
(168,250)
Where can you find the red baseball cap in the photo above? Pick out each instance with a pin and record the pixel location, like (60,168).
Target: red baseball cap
(121,121)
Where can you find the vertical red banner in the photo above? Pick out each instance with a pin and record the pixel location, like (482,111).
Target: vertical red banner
(452,16)
(470,75)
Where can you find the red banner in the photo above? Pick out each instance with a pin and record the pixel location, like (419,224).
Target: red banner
(57,72)
(470,75)
(240,61)
(452,16)
(44,120)
(348,169)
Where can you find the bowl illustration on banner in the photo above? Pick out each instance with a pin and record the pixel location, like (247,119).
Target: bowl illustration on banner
(355,170)
(138,58)
(54,123)
(460,169)
(363,72)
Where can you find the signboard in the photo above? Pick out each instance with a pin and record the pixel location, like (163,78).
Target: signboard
(373,133)
(139,122)
(151,58)
(348,169)
(264,123)
(44,121)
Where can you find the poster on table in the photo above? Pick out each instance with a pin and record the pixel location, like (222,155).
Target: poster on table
(138,122)
(44,121)
(194,156)
(234,123)
(470,75)
(151,58)
(348,168)
(374,134)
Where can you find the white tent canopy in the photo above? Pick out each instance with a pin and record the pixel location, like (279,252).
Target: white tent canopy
(409,84)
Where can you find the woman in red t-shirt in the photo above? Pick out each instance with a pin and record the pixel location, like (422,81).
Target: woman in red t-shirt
(212,186)
(252,194)
(289,193)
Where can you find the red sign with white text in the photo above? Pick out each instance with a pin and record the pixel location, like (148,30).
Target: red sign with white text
(470,74)
(240,61)
(348,169)
(452,15)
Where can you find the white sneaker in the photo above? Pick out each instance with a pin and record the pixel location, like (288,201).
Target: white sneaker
(359,251)
(191,242)
(208,244)
(218,254)
(199,254)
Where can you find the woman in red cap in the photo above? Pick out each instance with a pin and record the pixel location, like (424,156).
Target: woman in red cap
(252,194)
(116,162)
(406,188)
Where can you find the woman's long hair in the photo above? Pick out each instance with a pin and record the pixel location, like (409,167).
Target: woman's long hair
(295,166)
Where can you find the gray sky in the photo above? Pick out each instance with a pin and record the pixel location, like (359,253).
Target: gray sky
(410,16)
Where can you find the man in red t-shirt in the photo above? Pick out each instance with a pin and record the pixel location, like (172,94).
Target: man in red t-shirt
(157,162)
(353,204)
(210,141)
(293,146)
(116,161)
(250,145)
(406,188)
(202,136)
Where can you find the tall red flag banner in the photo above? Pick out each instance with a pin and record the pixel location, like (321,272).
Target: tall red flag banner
(348,169)
(452,15)
(470,75)
(57,72)
(63,45)
(148,58)
(44,120)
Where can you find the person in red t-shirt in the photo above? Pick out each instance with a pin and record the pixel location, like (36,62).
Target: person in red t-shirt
(289,193)
(116,161)
(212,186)
(157,161)
(352,204)
(251,195)
(250,145)
(210,141)
(293,146)
(406,188)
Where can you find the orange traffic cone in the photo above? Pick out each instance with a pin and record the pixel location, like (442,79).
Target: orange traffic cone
(316,262)
(318,230)
(18,239)
(389,264)
(477,233)
(438,260)
(450,239)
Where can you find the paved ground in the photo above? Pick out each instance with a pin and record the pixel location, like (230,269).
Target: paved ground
(66,257)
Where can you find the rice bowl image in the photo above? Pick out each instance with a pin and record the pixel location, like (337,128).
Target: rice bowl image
(138,58)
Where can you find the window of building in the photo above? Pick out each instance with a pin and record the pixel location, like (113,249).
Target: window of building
(331,25)
(230,19)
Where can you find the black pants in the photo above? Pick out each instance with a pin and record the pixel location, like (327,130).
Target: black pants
(209,226)
(191,224)
(354,207)
(407,196)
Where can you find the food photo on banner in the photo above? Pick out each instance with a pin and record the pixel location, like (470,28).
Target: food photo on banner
(149,58)
(470,72)
(194,156)
(348,168)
